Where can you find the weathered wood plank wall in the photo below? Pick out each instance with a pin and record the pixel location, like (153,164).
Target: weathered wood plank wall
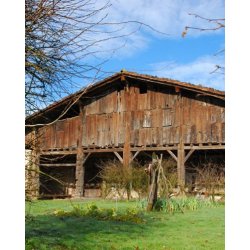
(155,121)
(62,134)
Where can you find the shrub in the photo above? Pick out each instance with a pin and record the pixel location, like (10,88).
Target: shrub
(129,215)
(170,171)
(114,176)
(211,177)
(174,205)
(120,178)
(139,180)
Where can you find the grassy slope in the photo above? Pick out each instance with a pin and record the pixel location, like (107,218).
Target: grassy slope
(201,229)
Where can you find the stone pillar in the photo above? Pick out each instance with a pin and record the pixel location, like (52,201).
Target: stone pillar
(31,174)
(79,191)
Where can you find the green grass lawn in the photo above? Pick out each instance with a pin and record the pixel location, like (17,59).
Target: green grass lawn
(200,229)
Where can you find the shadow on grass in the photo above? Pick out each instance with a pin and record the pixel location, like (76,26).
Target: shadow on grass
(202,229)
(51,232)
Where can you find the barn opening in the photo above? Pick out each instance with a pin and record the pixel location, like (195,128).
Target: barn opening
(93,167)
(57,176)
(205,166)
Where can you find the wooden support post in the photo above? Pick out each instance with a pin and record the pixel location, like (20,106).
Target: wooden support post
(181,166)
(80,159)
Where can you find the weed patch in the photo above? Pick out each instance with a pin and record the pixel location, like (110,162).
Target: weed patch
(92,210)
(175,205)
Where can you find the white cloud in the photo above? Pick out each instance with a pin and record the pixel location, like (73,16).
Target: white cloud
(195,72)
(170,16)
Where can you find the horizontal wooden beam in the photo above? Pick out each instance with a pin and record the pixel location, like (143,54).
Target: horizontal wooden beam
(57,164)
(154,148)
(102,150)
(204,147)
(62,152)
(133,149)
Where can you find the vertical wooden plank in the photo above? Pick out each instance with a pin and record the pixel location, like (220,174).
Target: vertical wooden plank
(132,98)
(66,134)
(154,118)
(136,137)
(84,126)
(120,130)
(181,152)
(153,99)
(159,136)
(93,130)
(153,139)
(116,128)
(214,132)
(126,148)
(148,99)
(142,137)
(88,129)
(122,101)
(164,136)
(75,128)
(223,132)
(198,122)
(115,101)
(148,136)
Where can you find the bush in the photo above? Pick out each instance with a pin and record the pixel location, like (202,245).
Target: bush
(120,178)
(129,215)
(211,177)
(139,180)
(170,171)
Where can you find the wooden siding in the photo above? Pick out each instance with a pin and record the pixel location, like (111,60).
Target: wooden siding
(61,134)
(155,120)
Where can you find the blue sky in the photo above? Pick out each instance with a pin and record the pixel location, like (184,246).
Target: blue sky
(190,59)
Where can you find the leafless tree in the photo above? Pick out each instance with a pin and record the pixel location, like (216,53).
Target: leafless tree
(64,43)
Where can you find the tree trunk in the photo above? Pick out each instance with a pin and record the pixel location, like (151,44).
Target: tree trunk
(153,188)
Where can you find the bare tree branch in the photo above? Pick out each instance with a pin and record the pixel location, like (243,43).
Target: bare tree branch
(66,41)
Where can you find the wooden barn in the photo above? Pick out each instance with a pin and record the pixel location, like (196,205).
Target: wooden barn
(122,117)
